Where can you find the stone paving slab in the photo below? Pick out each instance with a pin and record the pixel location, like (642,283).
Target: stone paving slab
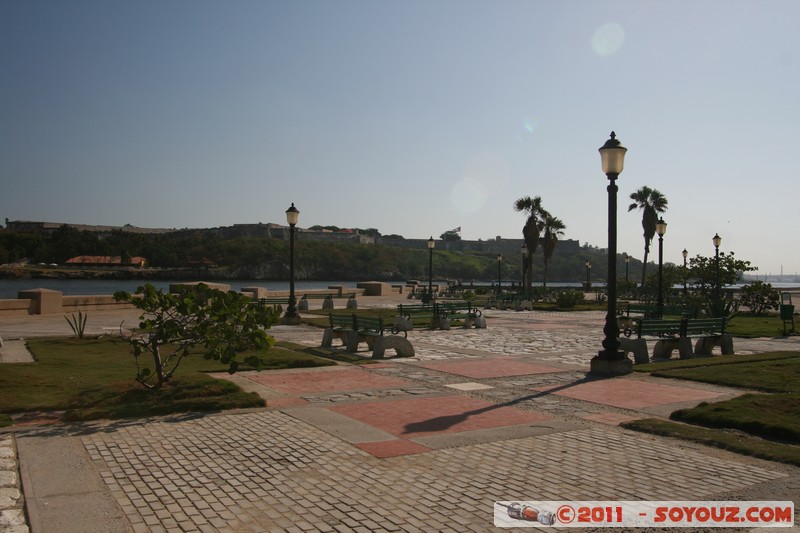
(489,368)
(631,393)
(265,470)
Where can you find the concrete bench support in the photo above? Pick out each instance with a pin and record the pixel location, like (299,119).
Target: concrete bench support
(664,348)
(705,345)
(636,346)
(400,345)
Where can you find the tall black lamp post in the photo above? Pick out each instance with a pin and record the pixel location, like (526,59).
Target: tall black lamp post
(627,263)
(291,317)
(610,361)
(499,272)
(685,254)
(524,269)
(431,244)
(717,240)
(588,266)
(661,229)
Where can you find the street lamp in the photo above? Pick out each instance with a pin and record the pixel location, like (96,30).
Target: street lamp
(588,265)
(627,262)
(499,272)
(685,254)
(661,229)
(717,240)
(611,361)
(431,244)
(291,317)
(524,269)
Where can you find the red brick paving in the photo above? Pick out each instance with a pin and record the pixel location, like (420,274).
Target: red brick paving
(630,393)
(343,379)
(491,368)
(392,448)
(418,417)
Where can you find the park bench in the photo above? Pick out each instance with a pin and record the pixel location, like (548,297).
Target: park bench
(459,310)
(411,315)
(275,302)
(709,332)
(353,329)
(668,333)
(648,311)
(326,304)
(677,334)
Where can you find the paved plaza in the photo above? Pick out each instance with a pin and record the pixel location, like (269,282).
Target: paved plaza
(416,444)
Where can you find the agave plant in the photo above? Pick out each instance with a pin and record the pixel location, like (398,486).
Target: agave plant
(77,323)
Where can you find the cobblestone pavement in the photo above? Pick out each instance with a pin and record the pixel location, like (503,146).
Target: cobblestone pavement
(309,463)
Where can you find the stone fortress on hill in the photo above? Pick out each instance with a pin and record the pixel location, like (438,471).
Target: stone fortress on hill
(278,231)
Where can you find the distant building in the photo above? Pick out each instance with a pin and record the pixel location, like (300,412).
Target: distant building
(29,226)
(106,261)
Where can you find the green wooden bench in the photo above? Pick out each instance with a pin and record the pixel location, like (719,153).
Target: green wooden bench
(709,332)
(649,312)
(459,310)
(326,304)
(412,315)
(274,301)
(353,329)
(677,334)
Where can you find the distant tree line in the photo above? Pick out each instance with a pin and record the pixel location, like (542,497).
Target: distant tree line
(265,258)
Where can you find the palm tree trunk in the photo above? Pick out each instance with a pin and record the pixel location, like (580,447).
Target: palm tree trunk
(545,273)
(644,269)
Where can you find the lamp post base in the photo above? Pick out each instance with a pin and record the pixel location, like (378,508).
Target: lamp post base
(290,320)
(601,365)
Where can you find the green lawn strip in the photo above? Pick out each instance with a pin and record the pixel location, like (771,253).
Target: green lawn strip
(185,393)
(770,375)
(69,373)
(728,440)
(713,361)
(755,326)
(769,416)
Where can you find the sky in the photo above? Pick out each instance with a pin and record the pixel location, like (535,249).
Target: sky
(413,117)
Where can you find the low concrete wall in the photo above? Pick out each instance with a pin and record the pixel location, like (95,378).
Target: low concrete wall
(46,301)
(73,304)
(17,307)
(50,302)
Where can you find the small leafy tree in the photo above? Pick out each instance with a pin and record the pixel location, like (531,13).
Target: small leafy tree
(707,294)
(222,323)
(760,297)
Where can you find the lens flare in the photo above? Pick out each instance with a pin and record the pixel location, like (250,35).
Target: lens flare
(608,39)
(469,195)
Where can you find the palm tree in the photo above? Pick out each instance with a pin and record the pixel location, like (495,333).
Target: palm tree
(552,229)
(532,228)
(652,203)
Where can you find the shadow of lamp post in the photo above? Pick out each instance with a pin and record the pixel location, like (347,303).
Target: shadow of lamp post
(661,229)
(291,317)
(611,361)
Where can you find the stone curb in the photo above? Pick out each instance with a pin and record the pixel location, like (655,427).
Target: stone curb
(12,502)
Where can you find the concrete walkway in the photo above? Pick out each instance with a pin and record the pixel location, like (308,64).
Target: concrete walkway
(420,444)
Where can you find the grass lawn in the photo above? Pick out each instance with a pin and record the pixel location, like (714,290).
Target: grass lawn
(765,425)
(94,378)
(756,326)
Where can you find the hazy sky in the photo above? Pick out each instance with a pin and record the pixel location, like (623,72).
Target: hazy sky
(413,117)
